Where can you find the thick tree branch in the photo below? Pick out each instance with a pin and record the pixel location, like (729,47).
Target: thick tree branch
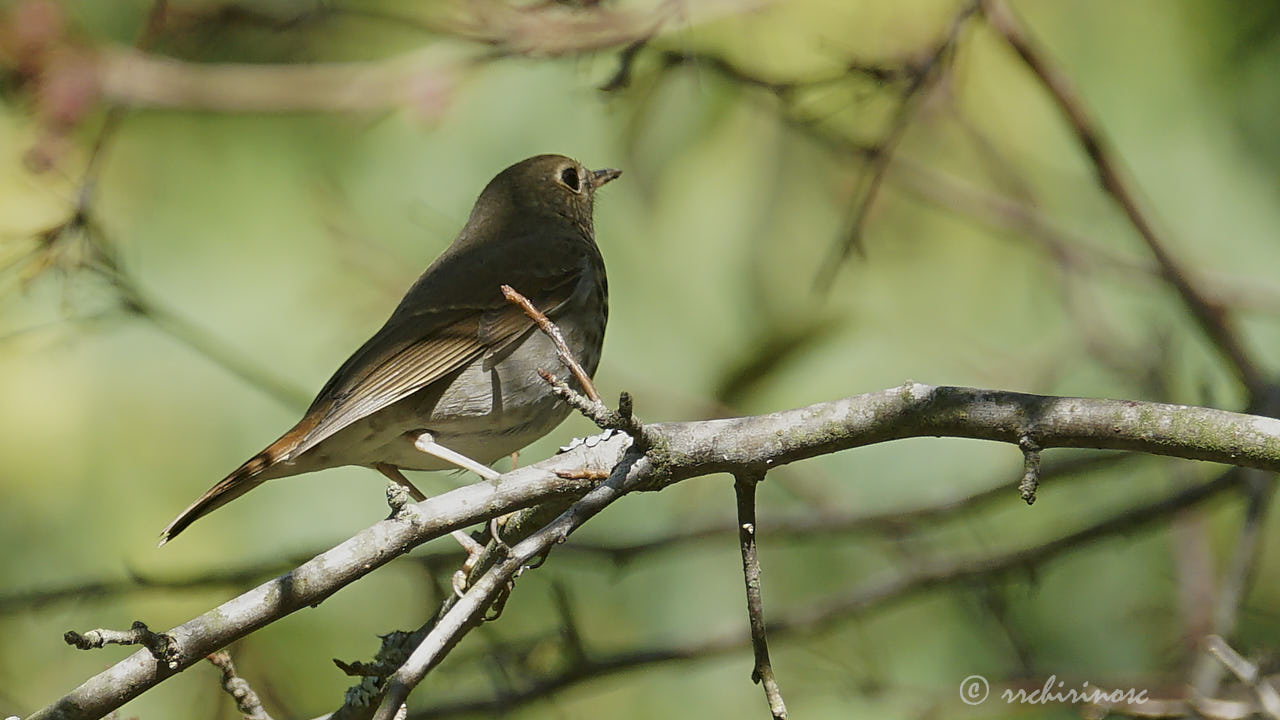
(685,450)
(895,521)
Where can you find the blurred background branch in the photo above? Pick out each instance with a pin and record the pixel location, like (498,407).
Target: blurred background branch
(1063,200)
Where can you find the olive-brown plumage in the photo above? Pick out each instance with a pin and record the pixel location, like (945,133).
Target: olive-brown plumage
(455,359)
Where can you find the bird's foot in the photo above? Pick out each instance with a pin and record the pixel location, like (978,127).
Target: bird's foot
(474,551)
(495,532)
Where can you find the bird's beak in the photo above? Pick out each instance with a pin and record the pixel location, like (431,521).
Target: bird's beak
(600,177)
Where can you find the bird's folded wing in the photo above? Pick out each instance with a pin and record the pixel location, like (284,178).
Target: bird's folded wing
(414,350)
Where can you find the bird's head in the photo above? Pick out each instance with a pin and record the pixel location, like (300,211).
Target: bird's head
(542,188)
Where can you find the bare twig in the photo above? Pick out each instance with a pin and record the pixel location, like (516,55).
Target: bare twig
(873,177)
(762,673)
(1247,673)
(162,646)
(246,699)
(623,418)
(392,651)
(1259,489)
(590,405)
(1213,321)
(550,330)
(621,77)
(207,346)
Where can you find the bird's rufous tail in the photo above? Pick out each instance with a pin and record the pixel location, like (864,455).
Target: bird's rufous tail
(242,480)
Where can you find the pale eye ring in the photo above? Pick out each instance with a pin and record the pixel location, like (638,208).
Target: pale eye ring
(570,179)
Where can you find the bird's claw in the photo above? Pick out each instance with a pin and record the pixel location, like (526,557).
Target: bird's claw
(474,550)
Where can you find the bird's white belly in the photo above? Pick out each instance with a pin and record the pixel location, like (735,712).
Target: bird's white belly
(485,413)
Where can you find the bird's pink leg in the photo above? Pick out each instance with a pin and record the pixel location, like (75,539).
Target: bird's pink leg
(427,444)
(469,545)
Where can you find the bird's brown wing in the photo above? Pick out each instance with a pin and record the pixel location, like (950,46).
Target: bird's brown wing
(414,349)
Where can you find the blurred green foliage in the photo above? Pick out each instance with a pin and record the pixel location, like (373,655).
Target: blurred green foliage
(287,238)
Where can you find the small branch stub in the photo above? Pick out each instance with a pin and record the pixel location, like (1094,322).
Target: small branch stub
(247,701)
(397,498)
(394,649)
(162,646)
(1030,469)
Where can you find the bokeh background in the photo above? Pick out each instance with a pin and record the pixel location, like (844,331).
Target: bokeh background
(230,260)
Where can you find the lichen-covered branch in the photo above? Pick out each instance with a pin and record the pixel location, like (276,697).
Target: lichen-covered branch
(679,451)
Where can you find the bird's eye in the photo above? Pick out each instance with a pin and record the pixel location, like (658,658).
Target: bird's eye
(569,176)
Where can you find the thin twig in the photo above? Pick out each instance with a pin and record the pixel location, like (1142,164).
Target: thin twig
(1259,489)
(161,645)
(1247,673)
(621,77)
(590,405)
(922,79)
(247,701)
(211,348)
(550,330)
(744,486)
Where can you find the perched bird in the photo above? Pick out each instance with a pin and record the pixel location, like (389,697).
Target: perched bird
(454,371)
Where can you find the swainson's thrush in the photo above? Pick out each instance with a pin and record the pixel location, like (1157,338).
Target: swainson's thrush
(455,368)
